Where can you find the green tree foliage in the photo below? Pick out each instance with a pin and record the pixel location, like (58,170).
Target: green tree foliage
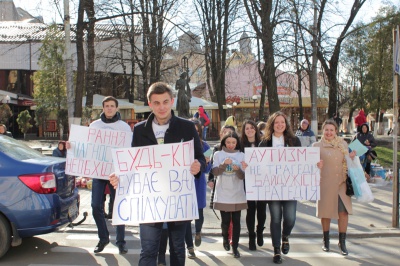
(50,84)
(5,113)
(378,86)
(24,121)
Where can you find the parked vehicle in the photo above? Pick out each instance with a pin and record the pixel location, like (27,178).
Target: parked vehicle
(36,196)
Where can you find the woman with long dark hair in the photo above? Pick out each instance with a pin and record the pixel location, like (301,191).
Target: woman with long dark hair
(278,134)
(251,137)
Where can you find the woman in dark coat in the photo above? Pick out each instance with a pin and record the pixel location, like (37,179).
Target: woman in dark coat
(60,151)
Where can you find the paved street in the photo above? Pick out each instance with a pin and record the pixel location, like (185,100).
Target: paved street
(75,247)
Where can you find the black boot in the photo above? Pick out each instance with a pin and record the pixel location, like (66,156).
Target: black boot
(260,239)
(325,247)
(236,253)
(342,244)
(285,244)
(277,256)
(225,239)
(252,241)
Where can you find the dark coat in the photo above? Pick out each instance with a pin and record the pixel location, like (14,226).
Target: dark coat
(179,130)
(268,143)
(367,136)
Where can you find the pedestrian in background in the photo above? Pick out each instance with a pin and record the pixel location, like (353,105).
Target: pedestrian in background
(201,191)
(204,118)
(60,151)
(261,127)
(250,137)
(368,140)
(110,119)
(305,134)
(230,198)
(278,134)
(360,119)
(333,203)
(3,131)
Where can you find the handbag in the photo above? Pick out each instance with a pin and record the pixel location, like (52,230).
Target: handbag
(349,187)
(362,191)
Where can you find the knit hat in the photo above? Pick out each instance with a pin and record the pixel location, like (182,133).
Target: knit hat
(305,121)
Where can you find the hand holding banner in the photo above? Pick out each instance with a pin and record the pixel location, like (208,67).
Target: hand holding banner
(289,173)
(155,184)
(90,152)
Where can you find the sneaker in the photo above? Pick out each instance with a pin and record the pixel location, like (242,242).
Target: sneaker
(197,240)
(191,255)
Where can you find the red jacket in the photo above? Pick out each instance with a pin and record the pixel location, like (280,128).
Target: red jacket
(360,118)
(203,115)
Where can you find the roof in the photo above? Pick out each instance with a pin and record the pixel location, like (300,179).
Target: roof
(19,31)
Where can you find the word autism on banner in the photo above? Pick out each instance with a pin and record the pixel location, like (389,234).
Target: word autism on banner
(90,152)
(155,184)
(289,173)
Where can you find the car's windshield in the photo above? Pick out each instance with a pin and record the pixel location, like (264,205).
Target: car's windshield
(17,149)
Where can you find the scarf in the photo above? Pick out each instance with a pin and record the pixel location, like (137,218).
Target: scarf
(114,119)
(337,143)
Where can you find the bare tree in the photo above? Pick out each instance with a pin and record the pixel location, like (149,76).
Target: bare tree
(216,18)
(329,57)
(264,17)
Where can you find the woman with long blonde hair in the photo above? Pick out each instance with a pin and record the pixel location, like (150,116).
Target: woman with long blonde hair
(333,203)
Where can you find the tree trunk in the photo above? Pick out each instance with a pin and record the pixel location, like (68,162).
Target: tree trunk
(91,53)
(80,72)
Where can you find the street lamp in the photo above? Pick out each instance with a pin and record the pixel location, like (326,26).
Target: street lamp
(254,97)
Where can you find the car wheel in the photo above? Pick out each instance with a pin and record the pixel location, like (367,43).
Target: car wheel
(5,236)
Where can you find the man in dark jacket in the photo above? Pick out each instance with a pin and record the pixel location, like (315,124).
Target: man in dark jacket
(161,127)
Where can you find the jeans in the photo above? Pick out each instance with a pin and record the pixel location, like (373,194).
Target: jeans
(277,210)
(205,133)
(150,235)
(261,208)
(226,218)
(198,223)
(98,187)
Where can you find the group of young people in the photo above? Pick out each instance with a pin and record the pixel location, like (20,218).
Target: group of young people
(229,196)
(227,165)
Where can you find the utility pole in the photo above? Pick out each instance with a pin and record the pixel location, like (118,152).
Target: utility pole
(314,118)
(396,71)
(68,68)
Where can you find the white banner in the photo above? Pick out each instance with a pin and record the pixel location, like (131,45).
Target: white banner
(289,173)
(90,152)
(155,184)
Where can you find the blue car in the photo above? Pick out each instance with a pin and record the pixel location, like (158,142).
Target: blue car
(36,196)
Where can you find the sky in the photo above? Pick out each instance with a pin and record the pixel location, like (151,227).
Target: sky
(46,8)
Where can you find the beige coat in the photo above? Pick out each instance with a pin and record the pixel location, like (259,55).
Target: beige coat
(332,182)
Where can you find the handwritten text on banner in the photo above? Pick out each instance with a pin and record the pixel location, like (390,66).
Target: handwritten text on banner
(155,184)
(90,152)
(288,173)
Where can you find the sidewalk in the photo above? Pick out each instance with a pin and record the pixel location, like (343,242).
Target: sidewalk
(374,219)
